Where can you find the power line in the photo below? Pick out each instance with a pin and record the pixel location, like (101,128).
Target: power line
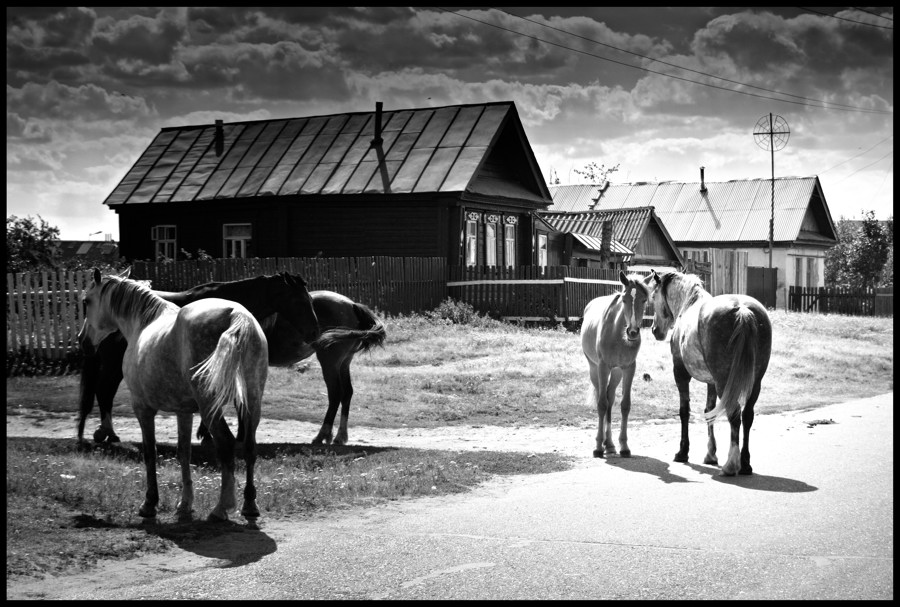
(862,10)
(867,166)
(858,155)
(687,69)
(845,109)
(845,19)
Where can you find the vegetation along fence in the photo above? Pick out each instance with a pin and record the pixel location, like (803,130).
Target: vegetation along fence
(842,300)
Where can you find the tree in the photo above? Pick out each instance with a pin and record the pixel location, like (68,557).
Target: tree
(595,173)
(860,258)
(30,244)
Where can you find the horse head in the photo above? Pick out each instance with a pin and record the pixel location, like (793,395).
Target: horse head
(98,324)
(634,300)
(662,313)
(292,301)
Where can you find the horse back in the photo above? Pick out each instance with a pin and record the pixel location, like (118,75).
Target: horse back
(603,333)
(718,320)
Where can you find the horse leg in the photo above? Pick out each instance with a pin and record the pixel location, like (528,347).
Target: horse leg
(250,510)
(147,419)
(186,503)
(90,370)
(615,376)
(346,394)
(108,384)
(710,458)
(223,440)
(627,378)
(332,375)
(683,380)
(600,379)
(734,455)
(748,414)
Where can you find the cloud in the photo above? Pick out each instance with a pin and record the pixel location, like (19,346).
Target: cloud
(86,102)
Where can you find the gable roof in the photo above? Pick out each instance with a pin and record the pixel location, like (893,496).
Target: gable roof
(731,211)
(88,250)
(477,149)
(628,225)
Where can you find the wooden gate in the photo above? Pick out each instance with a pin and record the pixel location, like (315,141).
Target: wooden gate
(762,285)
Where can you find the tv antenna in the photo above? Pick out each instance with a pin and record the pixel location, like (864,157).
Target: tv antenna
(771,133)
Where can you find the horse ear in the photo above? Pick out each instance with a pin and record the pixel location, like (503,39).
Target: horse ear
(623,278)
(96,276)
(654,276)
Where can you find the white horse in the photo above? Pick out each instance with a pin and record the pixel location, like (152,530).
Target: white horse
(611,339)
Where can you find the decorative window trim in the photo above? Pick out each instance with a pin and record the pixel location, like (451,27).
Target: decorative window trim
(511,219)
(473,216)
(492,218)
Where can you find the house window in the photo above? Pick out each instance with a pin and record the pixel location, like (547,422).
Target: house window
(471,241)
(509,241)
(490,243)
(798,271)
(237,237)
(812,273)
(164,238)
(542,250)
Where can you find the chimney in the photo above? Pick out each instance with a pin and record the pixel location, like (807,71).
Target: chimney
(220,138)
(377,140)
(605,240)
(702,182)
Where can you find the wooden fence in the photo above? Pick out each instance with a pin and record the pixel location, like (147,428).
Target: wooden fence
(842,300)
(44,312)
(553,293)
(392,285)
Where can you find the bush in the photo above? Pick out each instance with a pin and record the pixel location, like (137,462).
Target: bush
(460,313)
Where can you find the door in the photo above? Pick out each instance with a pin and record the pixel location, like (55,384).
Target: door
(761,284)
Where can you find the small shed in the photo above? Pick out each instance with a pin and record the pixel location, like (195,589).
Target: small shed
(608,239)
(459,182)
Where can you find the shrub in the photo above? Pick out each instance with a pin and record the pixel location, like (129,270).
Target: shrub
(459,312)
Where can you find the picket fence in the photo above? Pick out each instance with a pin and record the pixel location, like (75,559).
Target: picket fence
(842,300)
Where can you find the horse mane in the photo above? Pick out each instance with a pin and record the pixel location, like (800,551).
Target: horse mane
(689,286)
(128,298)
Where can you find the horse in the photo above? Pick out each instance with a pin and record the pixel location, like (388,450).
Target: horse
(611,339)
(283,295)
(723,341)
(347,327)
(200,357)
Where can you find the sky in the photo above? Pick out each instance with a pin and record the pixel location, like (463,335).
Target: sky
(658,92)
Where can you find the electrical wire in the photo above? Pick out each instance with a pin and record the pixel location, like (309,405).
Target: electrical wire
(858,155)
(723,88)
(803,8)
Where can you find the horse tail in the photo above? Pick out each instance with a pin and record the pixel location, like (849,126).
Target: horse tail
(221,375)
(369,332)
(592,397)
(742,375)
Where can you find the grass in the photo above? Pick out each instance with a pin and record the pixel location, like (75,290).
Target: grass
(430,373)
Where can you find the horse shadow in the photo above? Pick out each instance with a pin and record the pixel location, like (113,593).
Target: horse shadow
(647,465)
(755,481)
(233,543)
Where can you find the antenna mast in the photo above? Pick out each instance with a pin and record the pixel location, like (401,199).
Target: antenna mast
(771,133)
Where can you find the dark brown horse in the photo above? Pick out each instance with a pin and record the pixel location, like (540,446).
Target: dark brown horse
(723,341)
(292,325)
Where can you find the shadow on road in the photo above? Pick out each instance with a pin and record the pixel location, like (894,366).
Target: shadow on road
(230,541)
(756,481)
(647,465)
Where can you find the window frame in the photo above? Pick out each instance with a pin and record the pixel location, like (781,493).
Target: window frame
(509,241)
(243,242)
(164,241)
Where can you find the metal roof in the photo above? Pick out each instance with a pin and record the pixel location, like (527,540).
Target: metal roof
(423,150)
(731,211)
(595,244)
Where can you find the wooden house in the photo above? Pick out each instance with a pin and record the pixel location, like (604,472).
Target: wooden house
(459,182)
(726,225)
(617,238)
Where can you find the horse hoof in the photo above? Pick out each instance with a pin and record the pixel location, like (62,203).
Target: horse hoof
(147,512)
(625,453)
(746,471)
(681,457)
(100,435)
(113,439)
(598,453)
(215,517)
(252,523)
(724,472)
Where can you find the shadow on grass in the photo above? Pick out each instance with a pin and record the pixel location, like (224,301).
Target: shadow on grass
(230,541)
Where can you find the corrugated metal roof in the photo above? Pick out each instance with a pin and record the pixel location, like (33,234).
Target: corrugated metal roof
(627,224)
(732,211)
(595,244)
(422,150)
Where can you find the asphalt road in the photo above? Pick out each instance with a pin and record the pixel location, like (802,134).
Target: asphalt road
(815,521)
